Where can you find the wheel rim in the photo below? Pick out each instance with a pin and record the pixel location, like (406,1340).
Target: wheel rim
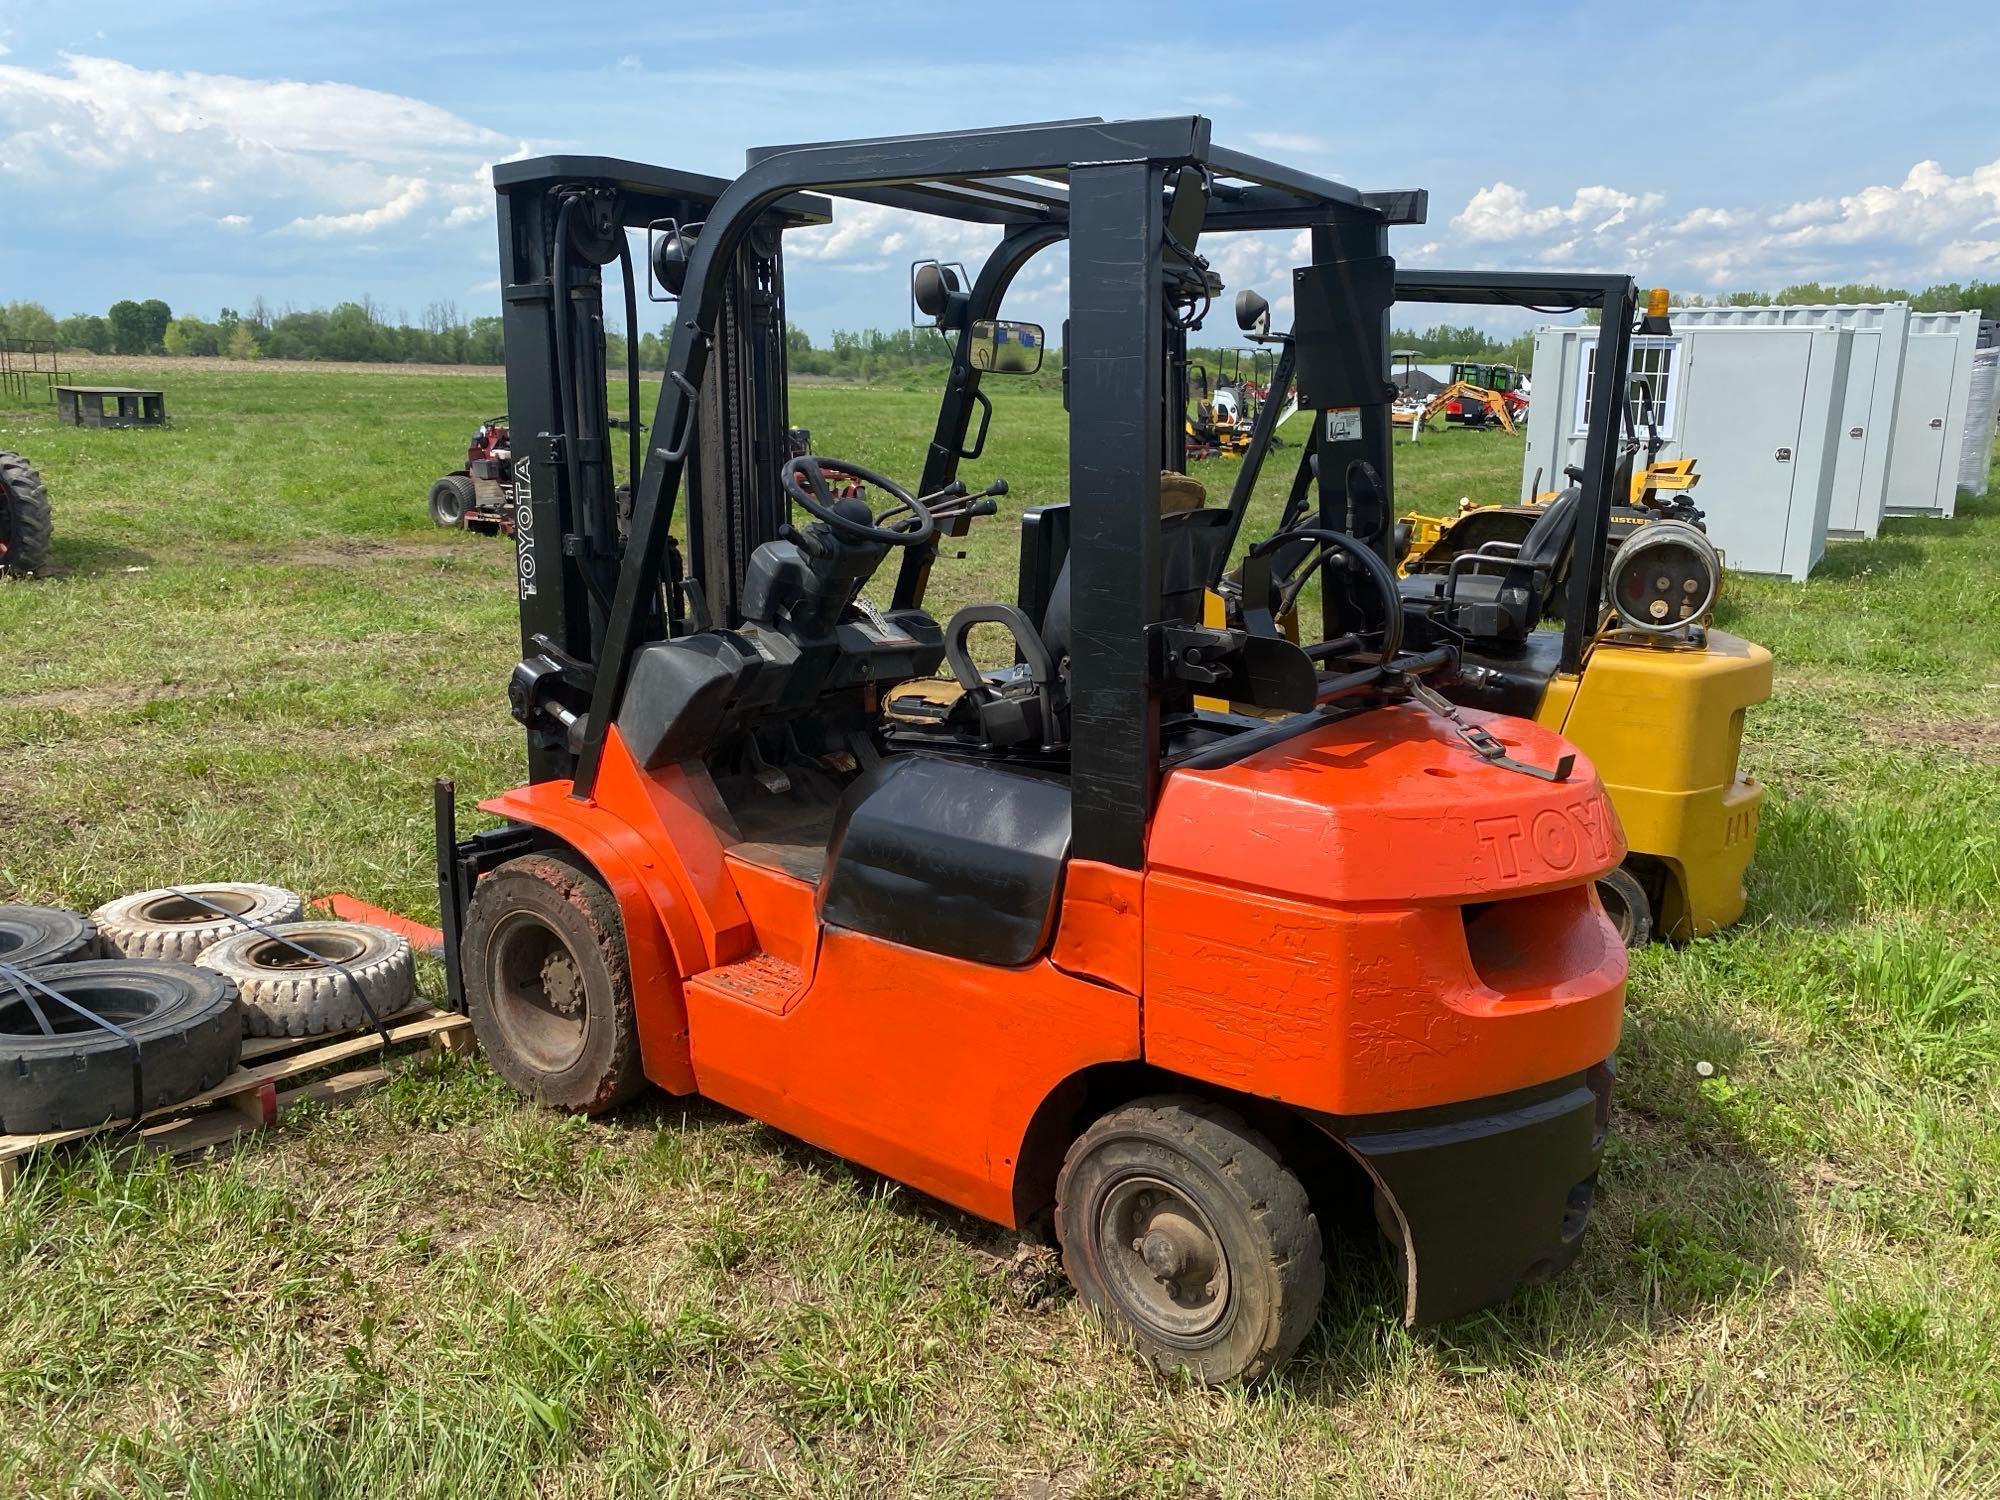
(446,508)
(113,999)
(320,948)
(184,911)
(1163,1261)
(538,992)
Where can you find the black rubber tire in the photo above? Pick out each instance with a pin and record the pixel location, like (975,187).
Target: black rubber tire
(452,500)
(165,924)
(1257,1214)
(549,985)
(31,935)
(183,1019)
(285,994)
(1629,907)
(26,524)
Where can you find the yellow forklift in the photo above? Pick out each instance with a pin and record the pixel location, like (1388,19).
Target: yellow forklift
(1589,614)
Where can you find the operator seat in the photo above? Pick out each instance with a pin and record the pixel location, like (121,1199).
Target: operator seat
(1028,704)
(1508,603)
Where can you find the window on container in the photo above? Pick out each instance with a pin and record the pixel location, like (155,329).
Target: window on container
(1650,392)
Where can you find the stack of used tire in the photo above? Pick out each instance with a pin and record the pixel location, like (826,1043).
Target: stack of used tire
(175,979)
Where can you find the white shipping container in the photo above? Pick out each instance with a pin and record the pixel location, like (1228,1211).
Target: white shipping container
(1930,414)
(1975,461)
(1868,405)
(1759,408)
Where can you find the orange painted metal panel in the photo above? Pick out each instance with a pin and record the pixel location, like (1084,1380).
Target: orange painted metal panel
(659,935)
(1102,934)
(1362,1011)
(1388,807)
(922,1067)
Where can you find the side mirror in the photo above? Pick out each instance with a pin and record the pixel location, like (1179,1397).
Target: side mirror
(1253,314)
(937,290)
(1001,348)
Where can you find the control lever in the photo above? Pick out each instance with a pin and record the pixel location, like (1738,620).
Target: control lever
(812,546)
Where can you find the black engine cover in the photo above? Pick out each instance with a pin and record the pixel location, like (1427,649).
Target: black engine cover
(958,857)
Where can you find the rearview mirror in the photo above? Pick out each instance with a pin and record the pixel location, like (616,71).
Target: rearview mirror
(1001,348)
(937,290)
(1253,313)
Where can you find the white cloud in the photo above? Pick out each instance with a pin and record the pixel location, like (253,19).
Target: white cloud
(233,221)
(1284,140)
(1933,225)
(323,159)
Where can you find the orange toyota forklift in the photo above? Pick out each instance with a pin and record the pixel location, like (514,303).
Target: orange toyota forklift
(1193,989)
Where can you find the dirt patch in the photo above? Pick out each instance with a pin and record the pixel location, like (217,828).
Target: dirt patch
(77,363)
(1974,739)
(339,551)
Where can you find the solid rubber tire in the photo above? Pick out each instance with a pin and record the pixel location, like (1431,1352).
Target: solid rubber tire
(1618,889)
(30,526)
(31,935)
(461,496)
(129,932)
(183,1019)
(285,999)
(1259,1209)
(573,903)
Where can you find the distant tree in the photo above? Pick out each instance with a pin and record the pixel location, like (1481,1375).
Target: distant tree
(158,315)
(26,320)
(86,331)
(243,343)
(193,336)
(128,328)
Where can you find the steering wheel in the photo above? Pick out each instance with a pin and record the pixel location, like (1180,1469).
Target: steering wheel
(1325,544)
(818,502)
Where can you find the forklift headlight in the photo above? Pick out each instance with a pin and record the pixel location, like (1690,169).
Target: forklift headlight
(1664,578)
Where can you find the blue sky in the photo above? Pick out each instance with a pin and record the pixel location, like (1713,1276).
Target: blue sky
(308,153)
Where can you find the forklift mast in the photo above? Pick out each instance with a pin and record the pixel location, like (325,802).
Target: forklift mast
(563,222)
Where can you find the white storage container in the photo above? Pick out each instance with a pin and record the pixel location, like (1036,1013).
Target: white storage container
(1868,406)
(1930,415)
(1975,460)
(1759,408)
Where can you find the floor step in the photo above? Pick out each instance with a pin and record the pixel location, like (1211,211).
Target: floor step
(761,979)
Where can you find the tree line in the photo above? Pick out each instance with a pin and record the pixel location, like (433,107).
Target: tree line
(362,332)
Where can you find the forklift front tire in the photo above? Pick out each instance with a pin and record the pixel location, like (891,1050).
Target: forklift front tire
(1627,904)
(549,986)
(1184,1229)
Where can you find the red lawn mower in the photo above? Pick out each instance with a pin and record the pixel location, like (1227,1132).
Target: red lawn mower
(480,496)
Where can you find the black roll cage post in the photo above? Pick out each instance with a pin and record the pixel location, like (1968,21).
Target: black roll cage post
(1547,292)
(1104,184)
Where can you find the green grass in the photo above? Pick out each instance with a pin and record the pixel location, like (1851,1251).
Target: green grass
(255,655)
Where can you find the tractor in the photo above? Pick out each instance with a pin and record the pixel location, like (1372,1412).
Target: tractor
(1191,990)
(25,522)
(480,496)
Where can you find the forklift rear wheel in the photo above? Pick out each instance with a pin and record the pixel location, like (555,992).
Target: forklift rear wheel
(1628,906)
(451,498)
(1184,1229)
(549,986)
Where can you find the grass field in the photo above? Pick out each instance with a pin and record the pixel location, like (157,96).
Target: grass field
(255,654)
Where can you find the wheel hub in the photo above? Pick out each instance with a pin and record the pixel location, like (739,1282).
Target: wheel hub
(562,984)
(1163,1259)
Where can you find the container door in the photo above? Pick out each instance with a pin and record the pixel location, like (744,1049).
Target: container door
(1923,411)
(1851,452)
(1744,397)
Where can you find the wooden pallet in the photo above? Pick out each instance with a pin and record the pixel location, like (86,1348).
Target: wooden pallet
(255,1096)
